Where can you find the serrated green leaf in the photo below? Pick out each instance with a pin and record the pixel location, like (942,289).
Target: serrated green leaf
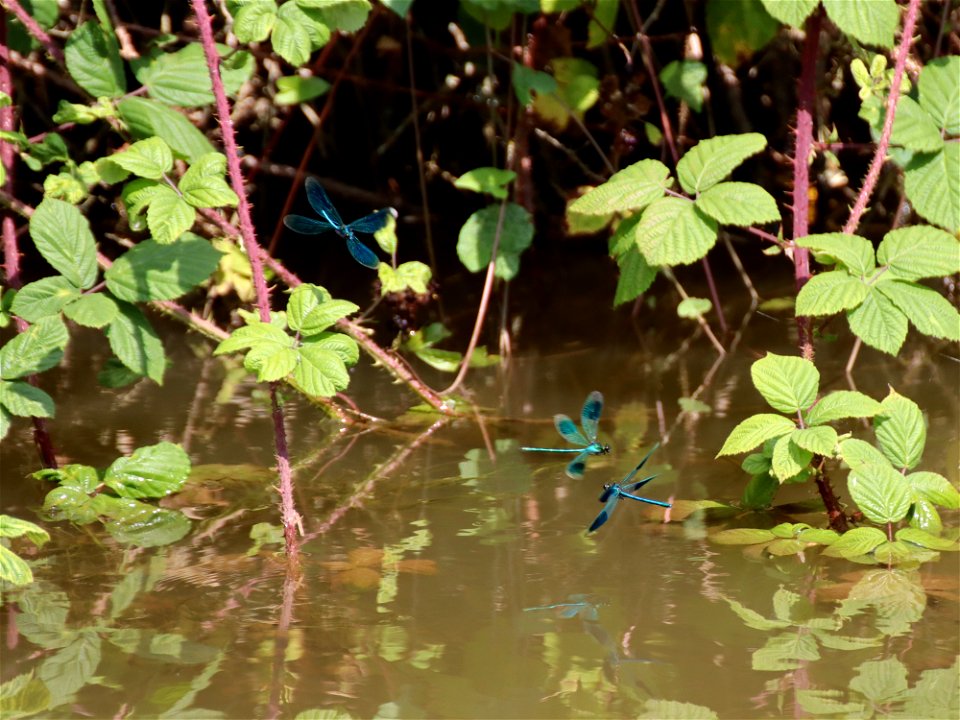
(710,161)
(935,488)
(925,539)
(858,541)
(137,196)
(412,275)
(253,20)
(742,536)
(270,362)
(858,453)
(490,180)
(820,440)
(739,203)
(151,271)
(62,236)
(150,472)
(754,431)
(917,252)
(636,275)
(872,22)
(250,336)
(341,345)
(93,60)
(95,310)
(311,310)
(842,404)
(881,493)
(855,252)
(788,384)
(673,231)
(71,504)
(203,185)
(900,430)
(64,186)
(737,30)
(526,80)
(136,344)
(43,298)
(940,92)
(930,312)
(149,527)
(879,323)
(756,464)
(830,292)
(342,15)
(880,681)
(788,460)
(14,570)
(475,243)
(291,38)
(932,184)
(685,80)
(913,128)
(924,516)
(24,400)
(790,12)
(633,188)
(693,307)
(168,216)
(577,91)
(147,118)
(150,158)
(34,350)
(12,527)
(821,536)
(294,89)
(320,371)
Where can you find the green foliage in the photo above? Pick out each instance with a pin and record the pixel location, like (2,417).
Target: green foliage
(737,30)
(490,180)
(422,343)
(315,359)
(93,60)
(13,569)
(113,496)
(685,80)
(526,81)
(693,307)
(578,89)
(413,275)
(475,244)
(294,89)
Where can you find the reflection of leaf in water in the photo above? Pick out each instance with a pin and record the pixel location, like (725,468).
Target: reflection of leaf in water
(631,421)
(669,709)
(897,597)
(492,526)
(364,567)
(24,695)
(508,475)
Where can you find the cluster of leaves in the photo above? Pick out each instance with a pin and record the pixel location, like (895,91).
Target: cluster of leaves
(664,227)
(114,496)
(13,569)
(313,358)
(880,481)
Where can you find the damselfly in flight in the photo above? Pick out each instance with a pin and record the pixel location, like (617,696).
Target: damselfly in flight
(587,439)
(612,492)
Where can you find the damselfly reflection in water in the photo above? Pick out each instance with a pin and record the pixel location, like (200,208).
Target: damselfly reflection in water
(586,439)
(322,205)
(612,492)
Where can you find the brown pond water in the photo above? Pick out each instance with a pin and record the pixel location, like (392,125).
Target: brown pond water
(435,549)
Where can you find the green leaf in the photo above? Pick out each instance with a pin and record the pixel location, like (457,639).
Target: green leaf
(345,16)
(136,344)
(72,667)
(291,38)
(710,161)
(82,477)
(739,203)
(879,323)
(788,384)
(820,440)
(64,186)
(633,188)
(940,92)
(253,20)
(932,184)
(853,251)
(636,274)
(490,180)
(842,404)
(15,571)
(168,216)
(925,539)
(693,307)
(311,310)
(115,374)
(685,80)
(577,91)
(692,405)
(913,128)
(674,231)
(11,527)
(24,400)
(754,431)
(94,311)
(761,489)
(178,78)
(154,471)
(900,430)
(935,488)
(756,464)
(881,493)
(147,118)
(526,80)
(93,60)
(930,312)
(320,369)
(250,336)
(830,292)
(343,346)
(789,459)
(917,252)
(149,526)
(294,89)
(737,30)
(872,22)
(150,158)
(71,504)
(858,541)
(43,298)
(881,681)
(786,651)
(858,453)
(151,271)
(742,536)
(412,275)
(790,12)
(62,235)
(34,350)
(203,185)
(475,244)
(821,536)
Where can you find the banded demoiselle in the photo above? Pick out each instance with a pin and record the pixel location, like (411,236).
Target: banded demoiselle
(612,492)
(587,439)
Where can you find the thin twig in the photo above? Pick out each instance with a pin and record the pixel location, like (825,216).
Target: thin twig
(703,323)
(415,115)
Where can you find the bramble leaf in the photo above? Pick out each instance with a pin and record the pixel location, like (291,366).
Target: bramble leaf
(754,431)
(901,430)
(673,231)
(788,384)
(710,161)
